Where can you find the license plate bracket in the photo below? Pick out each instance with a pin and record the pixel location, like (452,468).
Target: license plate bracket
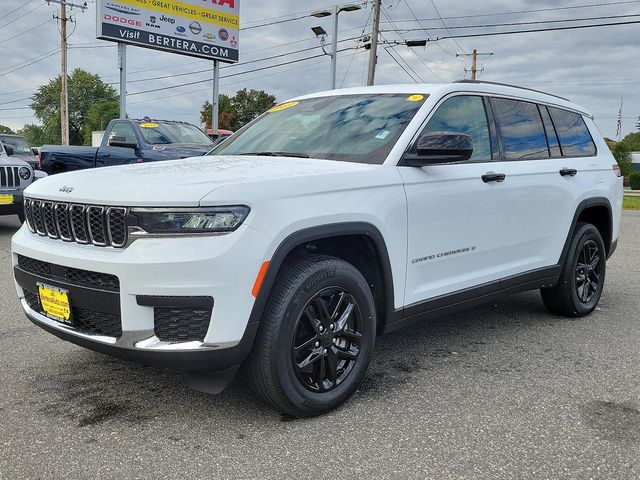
(55,302)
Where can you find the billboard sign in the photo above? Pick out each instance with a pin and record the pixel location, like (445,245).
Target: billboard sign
(199,28)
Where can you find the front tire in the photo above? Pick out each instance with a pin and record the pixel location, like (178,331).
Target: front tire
(316,337)
(582,279)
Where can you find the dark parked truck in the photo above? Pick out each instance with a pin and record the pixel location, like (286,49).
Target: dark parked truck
(129,141)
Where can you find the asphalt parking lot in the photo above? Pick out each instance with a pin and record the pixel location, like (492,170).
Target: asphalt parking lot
(503,391)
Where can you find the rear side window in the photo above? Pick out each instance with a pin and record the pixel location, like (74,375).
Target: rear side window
(520,125)
(552,138)
(574,136)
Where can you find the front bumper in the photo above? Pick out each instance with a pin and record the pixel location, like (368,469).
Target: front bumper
(144,346)
(15,207)
(222,268)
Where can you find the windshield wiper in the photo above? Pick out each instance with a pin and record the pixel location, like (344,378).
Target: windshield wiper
(277,154)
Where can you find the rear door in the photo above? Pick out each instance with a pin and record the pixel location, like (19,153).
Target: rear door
(546,166)
(456,220)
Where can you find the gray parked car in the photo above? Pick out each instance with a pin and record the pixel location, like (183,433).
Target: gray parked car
(16,174)
(21,148)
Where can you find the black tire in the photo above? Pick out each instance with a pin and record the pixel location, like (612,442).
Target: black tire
(581,281)
(294,318)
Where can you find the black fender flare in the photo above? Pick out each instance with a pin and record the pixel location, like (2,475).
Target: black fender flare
(321,232)
(582,206)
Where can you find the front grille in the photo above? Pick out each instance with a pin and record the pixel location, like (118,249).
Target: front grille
(9,177)
(74,276)
(83,320)
(181,324)
(84,224)
(96,323)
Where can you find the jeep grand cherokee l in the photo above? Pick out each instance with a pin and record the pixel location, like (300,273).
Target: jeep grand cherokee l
(330,219)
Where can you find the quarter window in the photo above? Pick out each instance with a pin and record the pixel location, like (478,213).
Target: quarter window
(464,114)
(520,125)
(574,136)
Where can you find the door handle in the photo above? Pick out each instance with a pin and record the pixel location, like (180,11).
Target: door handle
(568,172)
(104,155)
(493,177)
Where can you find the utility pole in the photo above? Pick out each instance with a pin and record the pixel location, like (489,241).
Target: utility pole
(474,61)
(215,104)
(373,55)
(64,96)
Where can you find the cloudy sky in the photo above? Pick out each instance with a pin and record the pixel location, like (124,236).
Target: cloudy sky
(594,67)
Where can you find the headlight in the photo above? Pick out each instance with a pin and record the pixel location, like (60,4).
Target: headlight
(191,220)
(25,173)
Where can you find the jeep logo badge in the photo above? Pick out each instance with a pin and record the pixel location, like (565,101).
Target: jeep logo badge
(65,189)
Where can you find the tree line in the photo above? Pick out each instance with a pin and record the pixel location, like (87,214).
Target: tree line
(93,104)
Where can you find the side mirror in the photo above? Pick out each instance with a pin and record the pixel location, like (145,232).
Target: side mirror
(441,147)
(38,174)
(35,151)
(8,149)
(117,141)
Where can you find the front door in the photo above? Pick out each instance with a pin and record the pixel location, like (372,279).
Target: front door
(456,220)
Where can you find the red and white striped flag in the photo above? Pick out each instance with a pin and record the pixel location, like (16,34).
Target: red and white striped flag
(619,126)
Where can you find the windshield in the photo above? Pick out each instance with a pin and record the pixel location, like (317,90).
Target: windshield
(158,133)
(350,128)
(19,144)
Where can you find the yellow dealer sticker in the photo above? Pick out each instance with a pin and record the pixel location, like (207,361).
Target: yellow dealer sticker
(415,98)
(284,106)
(149,125)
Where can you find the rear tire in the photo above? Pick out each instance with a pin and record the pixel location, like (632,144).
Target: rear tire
(316,337)
(582,278)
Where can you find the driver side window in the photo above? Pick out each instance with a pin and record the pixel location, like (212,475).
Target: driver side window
(464,114)
(124,130)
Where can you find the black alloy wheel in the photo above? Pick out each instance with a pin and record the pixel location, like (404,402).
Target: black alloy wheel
(588,270)
(327,340)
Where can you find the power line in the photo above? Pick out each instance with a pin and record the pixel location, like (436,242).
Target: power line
(23,15)
(518,12)
(422,26)
(25,31)
(445,26)
(537,30)
(514,24)
(237,73)
(30,62)
(21,6)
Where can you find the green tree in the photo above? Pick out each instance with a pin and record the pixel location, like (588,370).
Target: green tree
(632,142)
(237,111)
(85,90)
(99,116)
(4,129)
(34,134)
(622,154)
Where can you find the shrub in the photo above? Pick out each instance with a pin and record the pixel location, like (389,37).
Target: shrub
(634,181)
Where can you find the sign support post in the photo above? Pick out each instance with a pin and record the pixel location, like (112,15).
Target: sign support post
(122,65)
(215,104)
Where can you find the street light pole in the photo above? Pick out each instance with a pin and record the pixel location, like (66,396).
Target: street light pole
(334,48)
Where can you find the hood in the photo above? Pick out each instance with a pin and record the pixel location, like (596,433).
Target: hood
(174,152)
(14,161)
(177,182)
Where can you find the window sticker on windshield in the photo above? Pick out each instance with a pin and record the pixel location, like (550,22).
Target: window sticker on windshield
(149,125)
(415,98)
(383,134)
(284,106)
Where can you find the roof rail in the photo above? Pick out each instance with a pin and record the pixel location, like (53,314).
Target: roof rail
(147,119)
(512,86)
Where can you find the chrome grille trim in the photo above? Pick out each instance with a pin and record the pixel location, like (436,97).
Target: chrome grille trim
(62,222)
(78,224)
(49,219)
(97,233)
(83,224)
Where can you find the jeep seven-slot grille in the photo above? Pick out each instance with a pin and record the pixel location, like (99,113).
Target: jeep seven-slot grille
(9,177)
(71,222)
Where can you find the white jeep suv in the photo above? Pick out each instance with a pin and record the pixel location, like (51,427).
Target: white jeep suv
(330,219)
